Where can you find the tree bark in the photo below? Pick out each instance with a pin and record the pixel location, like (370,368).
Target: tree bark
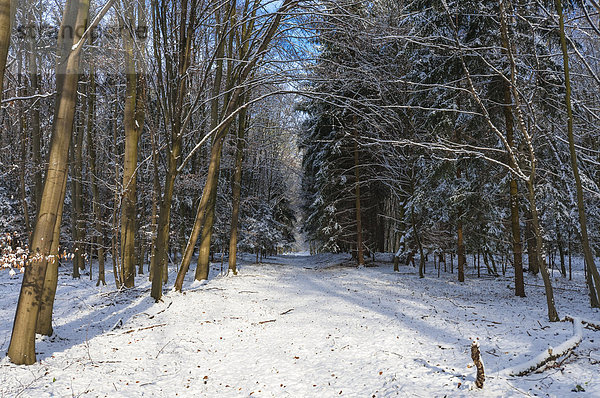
(159,266)
(359,237)
(133,124)
(530,180)
(202,268)
(44,320)
(24,140)
(5,31)
(532,257)
(594,278)
(514,194)
(236,189)
(22,345)
(460,241)
(155,196)
(36,136)
(94,177)
(77,199)
(200,212)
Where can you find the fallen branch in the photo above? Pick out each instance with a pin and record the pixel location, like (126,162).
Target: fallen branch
(161,311)
(147,327)
(550,354)
(263,322)
(117,325)
(161,350)
(591,325)
(287,312)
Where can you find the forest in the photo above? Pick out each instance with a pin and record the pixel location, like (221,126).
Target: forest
(422,137)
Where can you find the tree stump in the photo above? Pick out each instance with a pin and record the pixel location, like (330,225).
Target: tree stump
(476,357)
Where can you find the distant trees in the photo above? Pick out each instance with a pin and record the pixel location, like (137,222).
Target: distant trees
(459,101)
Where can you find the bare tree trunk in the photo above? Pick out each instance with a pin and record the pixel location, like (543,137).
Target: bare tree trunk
(530,180)
(420,246)
(200,213)
(561,251)
(133,123)
(91,128)
(22,345)
(552,314)
(514,192)
(532,257)
(236,188)
(202,268)
(117,273)
(36,136)
(76,194)
(514,199)
(359,238)
(155,196)
(24,139)
(160,266)
(594,278)
(164,219)
(5,31)
(44,320)
(460,240)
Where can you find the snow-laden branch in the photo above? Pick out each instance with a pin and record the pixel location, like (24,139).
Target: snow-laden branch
(77,46)
(550,354)
(29,97)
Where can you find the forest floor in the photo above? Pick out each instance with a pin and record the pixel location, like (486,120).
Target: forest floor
(303,326)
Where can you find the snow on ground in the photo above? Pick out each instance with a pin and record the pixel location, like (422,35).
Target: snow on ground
(303,326)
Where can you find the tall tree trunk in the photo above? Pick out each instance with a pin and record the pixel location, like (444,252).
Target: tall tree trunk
(159,267)
(530,180)
(514,190)
(561,251)
(44,320)
(116,203)
(202,268)
(133,124)
(155,196)
(24,155)
(359,237)
(460,241)
(164,220)
(594,278)
(201,211)
(5,31)
(419,245)
(36,136)
(76,195)
(22,345)
(236,190)
(552,314)
(532,257)
(94,177)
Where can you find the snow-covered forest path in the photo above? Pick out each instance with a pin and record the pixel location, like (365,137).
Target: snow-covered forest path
(301,326)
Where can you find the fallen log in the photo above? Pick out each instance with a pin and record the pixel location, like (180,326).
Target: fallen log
(550,354)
